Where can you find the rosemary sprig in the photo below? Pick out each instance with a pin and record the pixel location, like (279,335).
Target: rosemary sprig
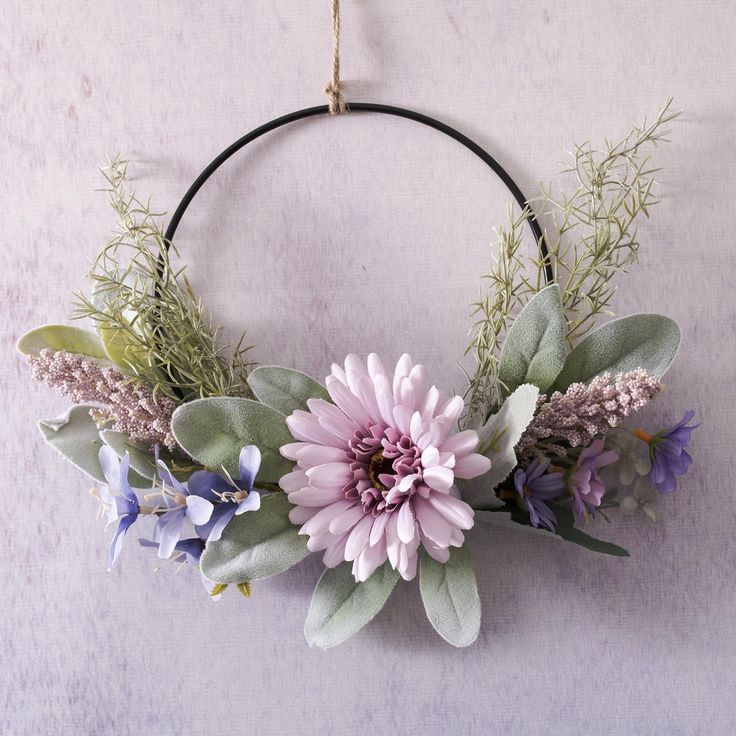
(148,307)
(509,288)
(594,233)
(592,238)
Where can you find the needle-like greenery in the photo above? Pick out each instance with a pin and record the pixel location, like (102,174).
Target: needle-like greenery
(592,237)
(147,312)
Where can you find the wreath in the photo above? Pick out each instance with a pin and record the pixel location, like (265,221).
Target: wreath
(240,471)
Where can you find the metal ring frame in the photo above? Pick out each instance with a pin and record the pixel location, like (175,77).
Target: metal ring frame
(400,112)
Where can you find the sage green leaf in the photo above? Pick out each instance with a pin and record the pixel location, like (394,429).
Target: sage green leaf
(256,544)
(566,531)
(62,337)
(284,389)
(450,595)
(340,607)
(214,430)
(142,460)
(648,341)
(76,437)
(534,350)
(569,532)
(497,440)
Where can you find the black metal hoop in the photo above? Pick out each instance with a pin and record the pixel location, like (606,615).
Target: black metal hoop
(365,107)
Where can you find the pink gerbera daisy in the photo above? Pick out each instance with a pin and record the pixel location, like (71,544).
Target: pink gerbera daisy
(376,469)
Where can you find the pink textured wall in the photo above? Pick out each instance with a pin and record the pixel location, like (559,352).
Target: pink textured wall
(363,234)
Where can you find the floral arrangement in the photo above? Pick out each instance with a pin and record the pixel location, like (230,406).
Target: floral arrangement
(243,470)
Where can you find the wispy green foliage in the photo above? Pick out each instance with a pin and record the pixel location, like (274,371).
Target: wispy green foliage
(591,237)
(594,234)
(152,325)
(509,288)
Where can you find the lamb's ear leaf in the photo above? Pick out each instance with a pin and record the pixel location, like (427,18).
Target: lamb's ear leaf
(255,545)
(75,436)
(284,389)
(142,459)
(566,530)
(648,341)
(497,440)
(450,595)
(214,430)
(534,350)
(340,606)
(570,533)
(62,337)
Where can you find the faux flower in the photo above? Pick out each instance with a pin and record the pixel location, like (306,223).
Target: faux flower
(188,551)
(667,453)
(584,482)
(641,498)
(232,496)
(376,469)
(119,497)
(182,504)
(632,463)
(535,486)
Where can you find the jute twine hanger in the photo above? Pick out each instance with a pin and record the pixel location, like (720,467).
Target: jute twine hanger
(332,90)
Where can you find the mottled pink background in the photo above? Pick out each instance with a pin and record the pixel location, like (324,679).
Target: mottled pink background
(358,234)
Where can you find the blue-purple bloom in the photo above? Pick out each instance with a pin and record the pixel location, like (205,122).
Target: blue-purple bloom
(584,482)
(182,503)
(119,497)
(668,454)
(535,486)
(188,551)
(235,495)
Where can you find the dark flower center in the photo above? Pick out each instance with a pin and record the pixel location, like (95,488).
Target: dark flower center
(377,466)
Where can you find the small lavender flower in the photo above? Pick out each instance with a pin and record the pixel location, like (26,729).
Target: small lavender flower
(120,499)
(584,412)
(584,482)
(182,504)
(130,405)
(236,496)
(667,453)
(535,486)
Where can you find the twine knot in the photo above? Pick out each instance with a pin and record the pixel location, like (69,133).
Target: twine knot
(337,101)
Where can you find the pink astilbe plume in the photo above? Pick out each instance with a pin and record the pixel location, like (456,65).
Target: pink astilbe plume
(584,412)
(376,469)
(129,405)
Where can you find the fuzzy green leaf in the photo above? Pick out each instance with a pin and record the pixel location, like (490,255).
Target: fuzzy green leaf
(255,545)
(647,341)
(284,389)
(566,531)
(214,430)
(62,337)
(76,437)
(142,460)
(450,595)
(497,440)
(340,607)
(534,350)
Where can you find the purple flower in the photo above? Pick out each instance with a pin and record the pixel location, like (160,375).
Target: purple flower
(667,453)
(535,486)
(235,496)
(584,483)
(119,497)
(182,503)
(188,551)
